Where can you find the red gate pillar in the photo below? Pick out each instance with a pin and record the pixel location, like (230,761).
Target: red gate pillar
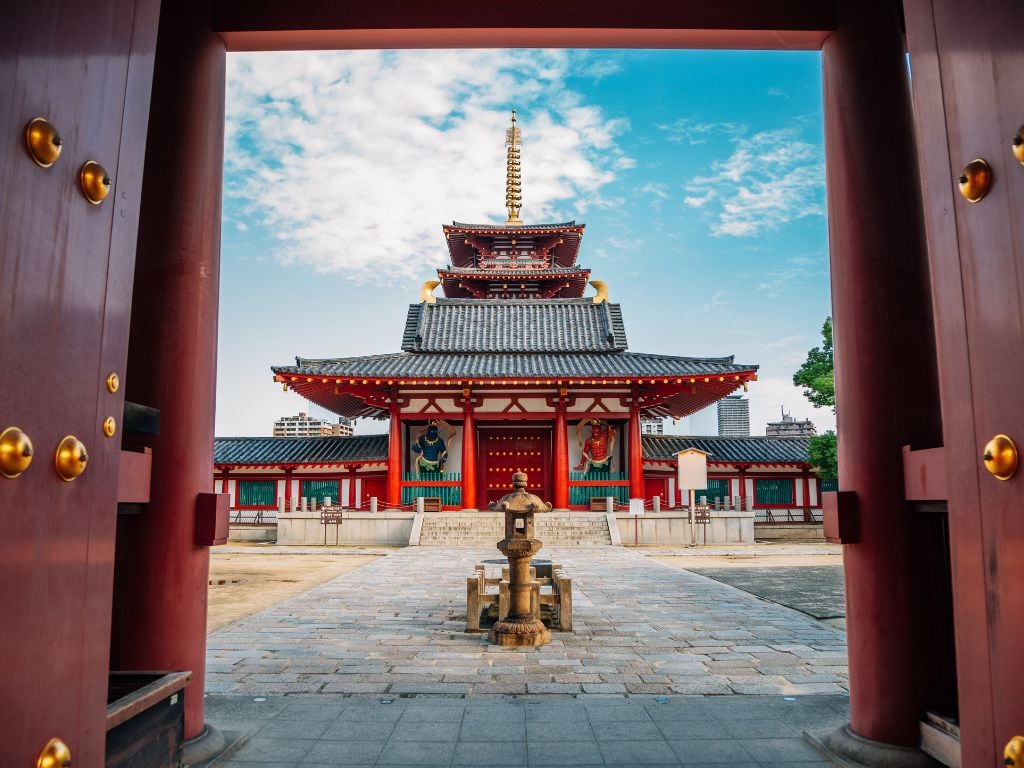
(395,456)
(468,456)
(883,323)
(561,462)
(288,489)
(172,357)
(636,461)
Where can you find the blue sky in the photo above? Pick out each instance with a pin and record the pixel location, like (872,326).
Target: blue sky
(699,175)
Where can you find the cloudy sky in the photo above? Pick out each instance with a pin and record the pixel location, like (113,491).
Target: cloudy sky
(699,176)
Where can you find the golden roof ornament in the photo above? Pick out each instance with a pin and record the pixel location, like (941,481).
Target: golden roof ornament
(513,179)
(427,291)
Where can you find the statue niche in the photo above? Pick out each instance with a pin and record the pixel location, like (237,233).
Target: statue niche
(430,446)
(598,450)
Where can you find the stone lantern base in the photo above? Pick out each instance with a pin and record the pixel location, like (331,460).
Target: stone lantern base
(510,633)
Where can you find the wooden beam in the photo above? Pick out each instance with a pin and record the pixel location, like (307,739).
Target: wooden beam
(266,25)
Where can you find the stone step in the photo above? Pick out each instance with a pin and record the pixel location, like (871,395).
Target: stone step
(483,529)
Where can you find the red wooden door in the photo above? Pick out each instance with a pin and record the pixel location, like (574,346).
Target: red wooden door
(503,452)
(65,294)
(656,486)
(967,61)
(373,485)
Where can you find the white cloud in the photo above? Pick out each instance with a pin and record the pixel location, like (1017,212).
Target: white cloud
(785,342)
(699,201)
(688,131)
(771,179)
(598,69)
(656,189)
(352,160)
(793,272)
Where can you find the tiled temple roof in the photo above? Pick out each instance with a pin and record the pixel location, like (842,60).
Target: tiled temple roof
(524,325)
(519,272)
(511,365)
(275,451)
(754,450)
(517,227)
(266,451)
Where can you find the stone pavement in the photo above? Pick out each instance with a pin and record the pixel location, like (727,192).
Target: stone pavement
(395,627)
(741,731)
(816,590)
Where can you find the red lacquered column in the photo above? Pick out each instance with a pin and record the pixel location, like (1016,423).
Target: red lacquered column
(883,334)
(636,461)
(172,360)
(468,456)
(395,457)
(805,479)
(561,463)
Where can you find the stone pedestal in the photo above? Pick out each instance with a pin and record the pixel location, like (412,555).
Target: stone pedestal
(520,627)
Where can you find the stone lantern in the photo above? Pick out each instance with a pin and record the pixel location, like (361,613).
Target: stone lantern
(520,627)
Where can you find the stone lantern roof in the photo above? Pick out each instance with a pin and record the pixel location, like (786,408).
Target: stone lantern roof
(520,500)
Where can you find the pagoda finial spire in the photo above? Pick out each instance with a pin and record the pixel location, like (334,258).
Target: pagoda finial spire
(513,183)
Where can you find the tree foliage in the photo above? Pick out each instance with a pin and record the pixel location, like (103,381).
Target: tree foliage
(823,455)
(817,375)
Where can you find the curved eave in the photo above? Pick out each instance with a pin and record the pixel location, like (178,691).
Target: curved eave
(463,255)
(560,285)
(664,396)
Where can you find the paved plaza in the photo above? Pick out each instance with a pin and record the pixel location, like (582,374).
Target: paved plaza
(695,731)
(395,626)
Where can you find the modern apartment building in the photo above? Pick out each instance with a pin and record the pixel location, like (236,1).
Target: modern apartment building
(790,427)
(305,426)
(734,416)
(652,426)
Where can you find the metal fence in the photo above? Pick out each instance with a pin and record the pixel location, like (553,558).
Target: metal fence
(253,517)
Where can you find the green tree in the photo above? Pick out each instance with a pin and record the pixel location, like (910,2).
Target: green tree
(817,377)
(823,455)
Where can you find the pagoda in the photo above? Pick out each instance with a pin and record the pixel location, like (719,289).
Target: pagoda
(514,369)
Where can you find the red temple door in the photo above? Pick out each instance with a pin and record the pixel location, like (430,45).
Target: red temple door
(373,485)
(503,452)
(66,270)
(656,486)
(967,61)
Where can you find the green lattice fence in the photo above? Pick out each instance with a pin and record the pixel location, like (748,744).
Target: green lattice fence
(429,484)
(319,490)
(257,493)
(717,489)
(773,491)
(580,495)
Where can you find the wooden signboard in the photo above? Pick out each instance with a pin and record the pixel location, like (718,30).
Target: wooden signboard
(331,516)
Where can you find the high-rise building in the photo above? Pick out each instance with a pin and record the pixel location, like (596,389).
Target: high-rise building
(734,416)
(305,426)
(651,425)
(790,427)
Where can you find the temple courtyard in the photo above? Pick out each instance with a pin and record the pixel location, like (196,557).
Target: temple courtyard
(665,664)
